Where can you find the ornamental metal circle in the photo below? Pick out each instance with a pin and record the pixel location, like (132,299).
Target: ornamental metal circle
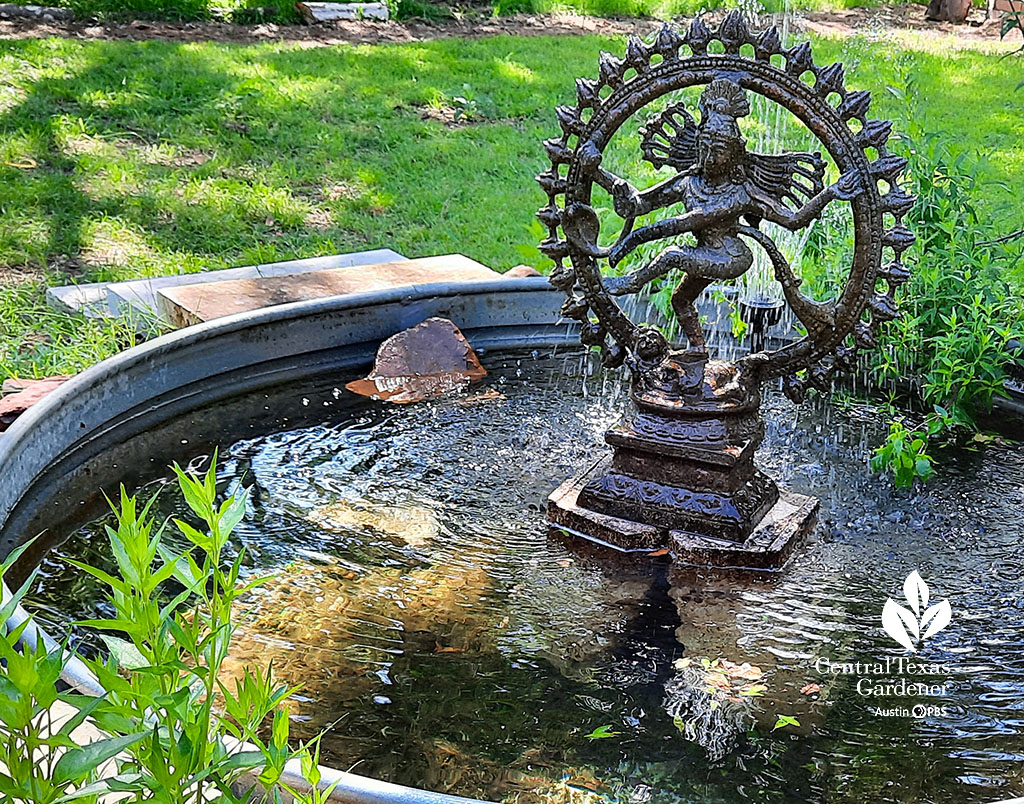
(726,192)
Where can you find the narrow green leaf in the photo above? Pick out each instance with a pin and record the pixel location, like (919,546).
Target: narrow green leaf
(78,763)
(85,704)
(127,655)
(123,783)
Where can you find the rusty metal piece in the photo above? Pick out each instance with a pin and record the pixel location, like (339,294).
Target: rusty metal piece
(666,476)
(430,360)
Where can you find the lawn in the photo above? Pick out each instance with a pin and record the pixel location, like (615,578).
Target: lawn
(120,159)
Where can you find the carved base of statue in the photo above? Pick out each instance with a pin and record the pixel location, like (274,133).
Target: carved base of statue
(682,475)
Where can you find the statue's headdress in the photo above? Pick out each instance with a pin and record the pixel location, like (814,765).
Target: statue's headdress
(721,105)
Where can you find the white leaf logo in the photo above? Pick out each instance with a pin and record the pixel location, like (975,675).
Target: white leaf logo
(894,621)
(936,618)
(910,627)
(915,590)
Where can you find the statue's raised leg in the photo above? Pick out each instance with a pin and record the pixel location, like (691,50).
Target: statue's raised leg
(635,281)
(683,298)
(671,259)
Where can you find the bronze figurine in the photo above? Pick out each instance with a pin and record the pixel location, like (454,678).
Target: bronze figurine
(682,474)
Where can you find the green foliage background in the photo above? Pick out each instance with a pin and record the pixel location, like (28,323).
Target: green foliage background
(283,11)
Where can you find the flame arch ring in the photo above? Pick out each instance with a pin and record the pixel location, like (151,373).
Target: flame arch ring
(838,119)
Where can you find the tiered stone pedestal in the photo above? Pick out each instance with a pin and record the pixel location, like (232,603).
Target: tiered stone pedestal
(684,479)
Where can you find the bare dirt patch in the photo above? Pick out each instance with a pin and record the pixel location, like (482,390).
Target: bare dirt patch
(906,19)
(356,32)
(452,117)
(884,20)
(14,275)
(319,219)
(164,154)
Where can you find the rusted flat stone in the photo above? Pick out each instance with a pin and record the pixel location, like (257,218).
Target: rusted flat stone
(194,304)
(20,395)
(430,360)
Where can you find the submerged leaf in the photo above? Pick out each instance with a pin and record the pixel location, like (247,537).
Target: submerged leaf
(601,732)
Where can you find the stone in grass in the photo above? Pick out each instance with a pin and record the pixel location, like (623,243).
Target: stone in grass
(313,13)
(20,395)
(431,360)
(44,13)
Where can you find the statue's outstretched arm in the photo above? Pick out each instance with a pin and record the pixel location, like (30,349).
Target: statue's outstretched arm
(627,200)
(660,196)
(847,188)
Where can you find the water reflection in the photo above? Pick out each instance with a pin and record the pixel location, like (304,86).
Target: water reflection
(451,643)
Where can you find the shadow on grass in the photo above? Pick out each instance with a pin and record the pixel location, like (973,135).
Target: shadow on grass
(162,156)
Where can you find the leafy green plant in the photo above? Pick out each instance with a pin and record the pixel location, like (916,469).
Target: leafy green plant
(39,759)
(167,651)
(785,720)
(433,10)
(309,754)
(904,454)
(256,13)
(504,7)
(961,311)
(737,325)
(470,105)
(1013,20)
(176,730)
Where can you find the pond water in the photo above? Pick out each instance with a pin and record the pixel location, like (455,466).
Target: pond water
(451,642)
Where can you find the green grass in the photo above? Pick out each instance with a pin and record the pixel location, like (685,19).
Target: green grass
(120,159)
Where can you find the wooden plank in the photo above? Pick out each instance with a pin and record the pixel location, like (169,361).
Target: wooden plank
(139,296)
(193,304)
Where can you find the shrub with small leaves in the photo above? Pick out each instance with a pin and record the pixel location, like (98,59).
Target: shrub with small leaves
(40,761)
(904,454)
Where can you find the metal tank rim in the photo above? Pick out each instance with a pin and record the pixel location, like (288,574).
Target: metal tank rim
(240,354)
(318,335)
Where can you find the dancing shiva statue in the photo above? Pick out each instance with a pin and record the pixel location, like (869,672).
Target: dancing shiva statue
(682,474)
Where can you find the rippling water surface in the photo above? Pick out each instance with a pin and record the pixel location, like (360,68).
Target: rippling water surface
(450,642)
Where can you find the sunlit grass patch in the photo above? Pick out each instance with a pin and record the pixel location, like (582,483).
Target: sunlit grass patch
(121,159)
